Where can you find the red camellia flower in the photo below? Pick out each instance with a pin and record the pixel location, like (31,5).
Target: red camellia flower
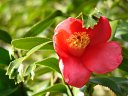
(82,51)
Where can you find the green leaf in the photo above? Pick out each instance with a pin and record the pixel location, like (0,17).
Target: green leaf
(125,52)
(122,30)
(37,48)
(124,65)
(42,70)
(41,26)
(51,63)
(89,22)
(4,56)
(80,16)
(8,91)
(14,65)
(116,84)
(114,25)
(7,86)
(48,46)
(58,88)
(91,19)
(123,83)
(16,69)
(96,14)
(4,36)
(30,71)
(30,42)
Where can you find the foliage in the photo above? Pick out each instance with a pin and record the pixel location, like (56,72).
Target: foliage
(28,63)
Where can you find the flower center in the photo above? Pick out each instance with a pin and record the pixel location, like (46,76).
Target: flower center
(78,40)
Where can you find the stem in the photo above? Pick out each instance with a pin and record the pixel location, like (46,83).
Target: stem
(52,78)
(22,90)
(16,54)
(51,83)
(89,90)
(70,90)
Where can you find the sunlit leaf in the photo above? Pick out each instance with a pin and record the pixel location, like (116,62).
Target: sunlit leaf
(114,25)
(37,48)
(51,63)
(41,26)
(122,30)
(42,70)
(89,21)
(30,71)
(59,88)
(14,65)
(16,69)
(30,42)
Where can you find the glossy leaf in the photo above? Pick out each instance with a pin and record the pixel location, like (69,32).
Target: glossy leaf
(122,30)
(7,86)
(37,48)
(116,84)
(4,56)
(114,25)
(59,88)
(41,70)
(124,65)
(41,26)
(4,36)
(51,63)
(14,66)
(16,69)
(89,21)
(8,91)
(18,72)
(92,19)
(30,71)
(30,42)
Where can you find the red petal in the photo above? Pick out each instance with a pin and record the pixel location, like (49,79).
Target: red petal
(63,31)
(59,41)
(103,58)
(70,26)
(101,32)
(75,73)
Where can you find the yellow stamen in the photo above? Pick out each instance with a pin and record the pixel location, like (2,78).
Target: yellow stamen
(78,40)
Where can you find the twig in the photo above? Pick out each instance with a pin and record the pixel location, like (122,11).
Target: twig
(70,90)
(22,90)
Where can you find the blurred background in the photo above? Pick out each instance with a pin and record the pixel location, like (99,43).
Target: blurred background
(18,16)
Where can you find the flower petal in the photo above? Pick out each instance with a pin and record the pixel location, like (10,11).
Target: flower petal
(75,73)
(70,26)
(62,33)
(59,42)
(103,58)
(101,32)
